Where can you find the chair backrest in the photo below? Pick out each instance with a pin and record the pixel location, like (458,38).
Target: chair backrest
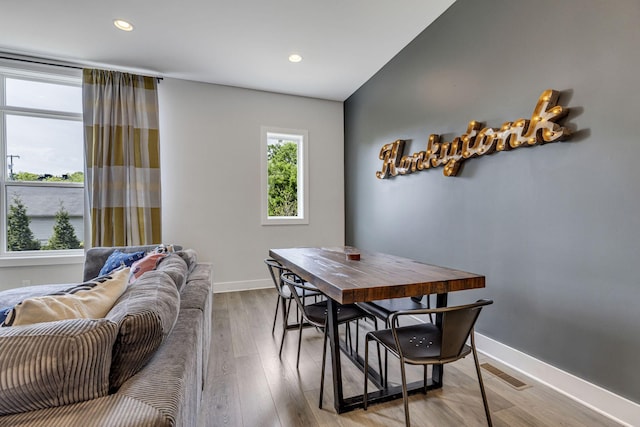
(457,324)
(275,270)
(298,287)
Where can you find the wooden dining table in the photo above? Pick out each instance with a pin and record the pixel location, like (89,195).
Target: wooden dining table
(348,275)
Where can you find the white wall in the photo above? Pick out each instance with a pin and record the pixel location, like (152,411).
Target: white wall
(210,141)
(66,271)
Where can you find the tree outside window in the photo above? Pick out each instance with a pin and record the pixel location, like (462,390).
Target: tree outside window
(64,235)
(19,234)
(282,157)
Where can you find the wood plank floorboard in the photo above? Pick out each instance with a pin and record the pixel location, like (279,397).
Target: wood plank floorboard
(249,385)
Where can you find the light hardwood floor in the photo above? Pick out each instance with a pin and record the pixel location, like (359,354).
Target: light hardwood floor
(250,386)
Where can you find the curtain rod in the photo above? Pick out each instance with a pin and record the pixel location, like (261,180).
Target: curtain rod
(55,63)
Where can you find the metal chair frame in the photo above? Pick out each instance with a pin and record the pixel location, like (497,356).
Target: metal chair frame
(284,295)
(310,313)
(444,344)
(383,309)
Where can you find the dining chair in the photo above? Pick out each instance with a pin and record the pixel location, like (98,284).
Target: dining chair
(383,309)
(284,293)
(430,344)
(316,314)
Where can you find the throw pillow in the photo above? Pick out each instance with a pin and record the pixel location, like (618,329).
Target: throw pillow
(54,364)
(145,264)
(91,300)
(117,259)
(145,313)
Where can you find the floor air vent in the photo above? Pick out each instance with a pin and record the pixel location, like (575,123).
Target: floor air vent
(512,381)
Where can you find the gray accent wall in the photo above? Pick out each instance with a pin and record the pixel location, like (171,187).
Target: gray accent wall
(555,228)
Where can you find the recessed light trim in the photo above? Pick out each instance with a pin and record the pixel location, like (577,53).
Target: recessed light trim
(123,25)
(294,57)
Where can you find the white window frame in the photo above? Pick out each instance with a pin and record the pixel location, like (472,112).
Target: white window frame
(302,136)
(46,74)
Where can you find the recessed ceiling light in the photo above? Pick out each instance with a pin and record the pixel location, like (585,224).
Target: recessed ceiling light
(294,57)
(123,25)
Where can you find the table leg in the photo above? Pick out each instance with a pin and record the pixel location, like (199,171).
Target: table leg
(334,342)
(438,371)
(385,394)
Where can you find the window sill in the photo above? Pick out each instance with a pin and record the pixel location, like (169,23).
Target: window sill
(77,257)
(285,221)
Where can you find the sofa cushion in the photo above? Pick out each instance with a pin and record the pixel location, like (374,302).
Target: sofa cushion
(54,363)
(190,257)
(92,300)
(176,268)
(145,313)
(196,292)
(164,393)
(118,259)
(170,381)
(113,410)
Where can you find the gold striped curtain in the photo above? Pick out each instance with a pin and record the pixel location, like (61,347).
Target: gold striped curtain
(122,150)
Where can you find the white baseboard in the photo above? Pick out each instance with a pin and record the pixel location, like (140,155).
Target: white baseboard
(600,400)
(244,285)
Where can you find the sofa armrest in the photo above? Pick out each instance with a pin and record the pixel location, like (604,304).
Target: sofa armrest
(197,294)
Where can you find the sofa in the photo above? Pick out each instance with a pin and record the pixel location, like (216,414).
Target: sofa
(143,364)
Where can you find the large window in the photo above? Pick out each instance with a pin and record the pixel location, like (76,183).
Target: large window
(41,142)
(284,176)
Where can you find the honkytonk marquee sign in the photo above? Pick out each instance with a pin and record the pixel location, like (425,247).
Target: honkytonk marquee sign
(540,129)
